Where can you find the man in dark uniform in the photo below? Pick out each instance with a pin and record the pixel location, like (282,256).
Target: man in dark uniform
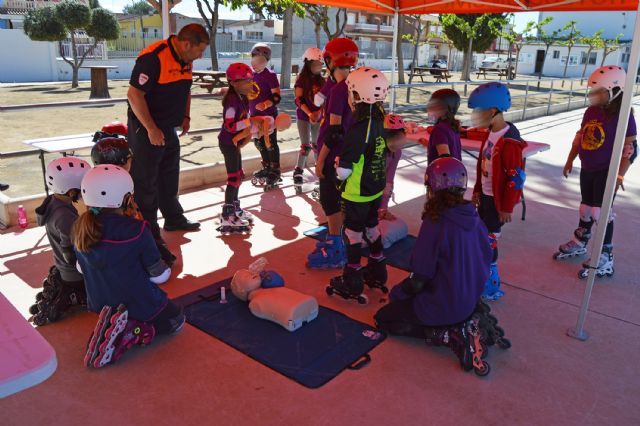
(159,102)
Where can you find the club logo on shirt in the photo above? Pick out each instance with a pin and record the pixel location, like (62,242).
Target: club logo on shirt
(254,92)
(142,79)
(592,135)
(486,159)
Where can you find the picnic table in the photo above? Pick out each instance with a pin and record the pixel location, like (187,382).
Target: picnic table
(99,84)
(64,144)
(504,72)
(209,79)
(437,73)
(469,146)
(27,358)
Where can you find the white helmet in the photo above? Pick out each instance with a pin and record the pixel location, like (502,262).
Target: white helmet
(66,173)
(105,186)
(372,86)
(608,77)
(312,54)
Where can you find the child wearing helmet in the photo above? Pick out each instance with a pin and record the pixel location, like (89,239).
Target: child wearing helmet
(309,83)
(593,143)
(340,54)
(64,286)
(394,126)
(362,170)
(263,101)
(500,169)
(444,140)
(449,264)
(122,269)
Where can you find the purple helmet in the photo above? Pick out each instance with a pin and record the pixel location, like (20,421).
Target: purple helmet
(446,173)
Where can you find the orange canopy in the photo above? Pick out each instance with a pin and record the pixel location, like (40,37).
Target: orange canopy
(477,6)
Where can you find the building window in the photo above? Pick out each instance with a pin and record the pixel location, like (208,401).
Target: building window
(593,57)
(573,60)
(239,34)
(556,54)
(254,35)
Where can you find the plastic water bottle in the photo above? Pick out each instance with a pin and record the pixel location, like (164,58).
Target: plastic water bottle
(258,266)
(223,295)
(23,222)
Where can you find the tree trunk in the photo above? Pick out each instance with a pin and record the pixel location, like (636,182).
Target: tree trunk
(566,64)
(399,53)
(213,49)
(586,64)
(515,70)
(317,31)
(287,46)
(544,61)
(416,43)
(74,53)
(466,63)
(144,44)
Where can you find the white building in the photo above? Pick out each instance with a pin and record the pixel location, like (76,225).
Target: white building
(612,23)
(531,59)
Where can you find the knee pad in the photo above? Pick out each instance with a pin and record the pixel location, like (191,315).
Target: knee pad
(234,179)
(595,213)
(352,237)
(305,149)
(585,213)
(372,234)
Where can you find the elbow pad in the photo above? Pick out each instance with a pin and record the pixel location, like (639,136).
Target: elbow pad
(414,284)
(318,99)
(334,135)
(343,173)
(162,278)
(275,98)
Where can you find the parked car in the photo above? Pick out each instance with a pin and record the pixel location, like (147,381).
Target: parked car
(495,63)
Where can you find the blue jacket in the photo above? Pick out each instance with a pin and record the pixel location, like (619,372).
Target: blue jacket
(118,268)
(454,256)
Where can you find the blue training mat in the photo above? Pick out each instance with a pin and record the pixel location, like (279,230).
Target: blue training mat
(398,255)
(311,355)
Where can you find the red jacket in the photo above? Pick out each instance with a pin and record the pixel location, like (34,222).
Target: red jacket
(507,163)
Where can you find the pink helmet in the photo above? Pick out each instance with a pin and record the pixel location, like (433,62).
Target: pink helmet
(608,77)
(312,54)
(239,71)
(394,122)
(261,49)
(370,84)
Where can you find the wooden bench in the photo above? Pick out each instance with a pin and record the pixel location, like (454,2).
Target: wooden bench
(209,79)
(506,72)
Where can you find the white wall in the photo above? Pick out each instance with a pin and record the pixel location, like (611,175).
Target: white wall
(26,60)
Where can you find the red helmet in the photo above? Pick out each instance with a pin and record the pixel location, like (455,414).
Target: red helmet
(115,128)
(342,51)
(239,71)
(394,122)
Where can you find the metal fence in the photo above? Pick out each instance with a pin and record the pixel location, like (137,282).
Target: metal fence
(84,46)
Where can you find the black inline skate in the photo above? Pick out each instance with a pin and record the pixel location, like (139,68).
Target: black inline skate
(260,177)
(56,298)
(273,179)
(375,274)
(349,285)
(492,333)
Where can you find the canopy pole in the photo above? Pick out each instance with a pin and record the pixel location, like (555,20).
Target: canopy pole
(394,58)
(166,29)
(623,120)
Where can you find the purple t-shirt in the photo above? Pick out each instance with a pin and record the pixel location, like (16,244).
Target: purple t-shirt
(240,109)
(308,101)
(453,256)
(598,134)
(265,80)
(338,104)
(443,134)
(324,124)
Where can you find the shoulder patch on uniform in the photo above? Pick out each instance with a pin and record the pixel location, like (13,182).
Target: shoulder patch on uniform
(142,79)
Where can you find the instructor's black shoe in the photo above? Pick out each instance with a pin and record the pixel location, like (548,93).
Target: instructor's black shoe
(183,225)
(3,186)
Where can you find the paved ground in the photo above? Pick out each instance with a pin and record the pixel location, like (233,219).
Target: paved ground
(546,378)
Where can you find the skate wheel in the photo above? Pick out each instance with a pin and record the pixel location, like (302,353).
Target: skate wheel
(329,290)
(384,289)
(503,343)
(499,330)
(556,255)
(583,273)
(39,320)
(362,299)
(34,309)
(483,370)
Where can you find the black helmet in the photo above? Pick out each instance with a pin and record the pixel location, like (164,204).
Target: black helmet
(111,150)
(447,97)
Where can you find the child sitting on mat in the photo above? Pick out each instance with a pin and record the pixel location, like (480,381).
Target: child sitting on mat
(450,264)
(122,269)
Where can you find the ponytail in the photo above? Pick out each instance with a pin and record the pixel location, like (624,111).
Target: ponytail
(86,231)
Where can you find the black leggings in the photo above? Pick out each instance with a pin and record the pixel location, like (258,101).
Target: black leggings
(233,164)
(398,318)
(270,157)
(592,187)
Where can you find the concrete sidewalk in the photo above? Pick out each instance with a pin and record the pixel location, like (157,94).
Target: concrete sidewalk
(192,378)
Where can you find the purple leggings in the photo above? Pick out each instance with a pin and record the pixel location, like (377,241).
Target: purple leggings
(393,158)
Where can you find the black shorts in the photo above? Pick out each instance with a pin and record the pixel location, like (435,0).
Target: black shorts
(592,186)
(330,198)
(359,216)
(489,214)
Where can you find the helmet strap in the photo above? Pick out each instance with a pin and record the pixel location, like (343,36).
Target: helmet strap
(95,210)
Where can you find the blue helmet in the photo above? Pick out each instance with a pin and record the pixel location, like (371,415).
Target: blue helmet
(490,95)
